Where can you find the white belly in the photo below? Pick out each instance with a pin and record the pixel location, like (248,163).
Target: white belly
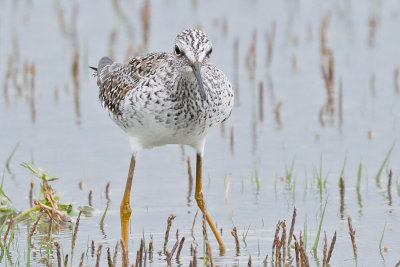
(152,134)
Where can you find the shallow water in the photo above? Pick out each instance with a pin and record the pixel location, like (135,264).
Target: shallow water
(77,141)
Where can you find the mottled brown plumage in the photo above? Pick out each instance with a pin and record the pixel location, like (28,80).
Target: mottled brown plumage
(157,98)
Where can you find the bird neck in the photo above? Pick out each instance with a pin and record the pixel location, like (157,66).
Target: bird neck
(187,85)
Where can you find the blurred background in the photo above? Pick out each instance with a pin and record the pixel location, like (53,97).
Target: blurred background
(316,99)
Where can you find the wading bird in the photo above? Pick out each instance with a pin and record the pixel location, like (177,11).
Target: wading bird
(166,98)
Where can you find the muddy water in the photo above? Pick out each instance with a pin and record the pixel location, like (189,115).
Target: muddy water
(63,129)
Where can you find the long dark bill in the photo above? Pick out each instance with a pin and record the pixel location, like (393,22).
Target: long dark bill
(196,71)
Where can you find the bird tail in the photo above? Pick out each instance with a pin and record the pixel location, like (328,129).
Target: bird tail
(104,61)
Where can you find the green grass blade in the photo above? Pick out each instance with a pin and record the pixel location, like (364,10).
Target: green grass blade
(343,167)
(378,175)
(380,241)
(10,157)
(104,215)
(359,173)
(305,233)
(319,227)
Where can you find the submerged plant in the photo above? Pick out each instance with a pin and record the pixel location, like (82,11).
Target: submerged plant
(48,202)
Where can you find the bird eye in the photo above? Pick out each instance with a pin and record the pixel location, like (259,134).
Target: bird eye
(209,52)
(177,50)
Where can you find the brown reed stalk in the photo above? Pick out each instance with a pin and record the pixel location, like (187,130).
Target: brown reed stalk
(270,38)
(75,78)
(251,56)
(234,234)
(327,69)
(341,189)
(31,194)
(327,61)
(291,228)
(141,251)
(82,258)
(231,139)
(389,187)
(92,248)
(151,248)
(76,231)
(108,190)
(98,254)
(372,84)
(352,233)
(209,253)
(171,254)
(90,197)
(289,263)
(189,172)
(303,253)
(53,212)
(10,223)
(278,252)
(322,31)
(61,20)
(80,184)
(138,262)
(277,112)
(32,97)
(331,248)
(275,243)
(297,251)
(115,254)
(205,236)
(66,260)
(265,261)
(249,261)
(58,253)
(33,229)
(304,257)
(261,101)
(7,78)
(283,241)
(321,117)
(169,223)
(325,251)
(194,257)
(125,260)
(145,16)
(178,253)
(109,260)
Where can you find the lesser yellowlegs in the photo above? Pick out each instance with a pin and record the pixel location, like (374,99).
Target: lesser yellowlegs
(166,98)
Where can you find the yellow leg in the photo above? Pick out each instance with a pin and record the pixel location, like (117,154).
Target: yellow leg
(125,208)
(199,200)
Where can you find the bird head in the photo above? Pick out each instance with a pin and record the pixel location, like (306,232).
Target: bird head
(193,49)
